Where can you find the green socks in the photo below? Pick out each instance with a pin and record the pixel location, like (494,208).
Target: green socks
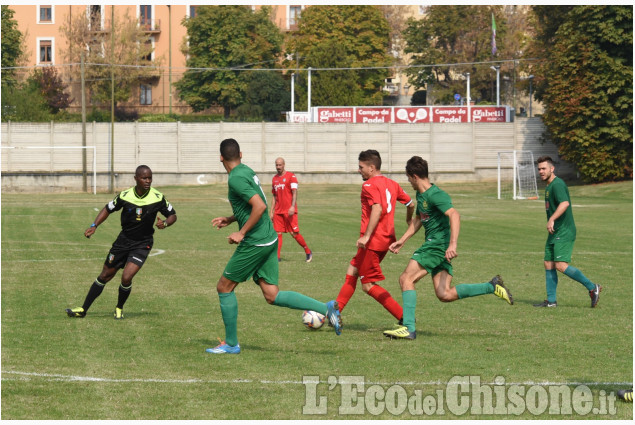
(409,307)
(466,290)
(298,301)
(578,276)
(229,311)
(551,282)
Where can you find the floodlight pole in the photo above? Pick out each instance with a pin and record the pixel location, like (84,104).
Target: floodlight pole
(112,99)
(309,96)
(292,92)
(497,68)
(83,78)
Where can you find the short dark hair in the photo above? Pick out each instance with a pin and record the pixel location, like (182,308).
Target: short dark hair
(417,166)
(545,158)
(229,149)
(371,156)
(140,169)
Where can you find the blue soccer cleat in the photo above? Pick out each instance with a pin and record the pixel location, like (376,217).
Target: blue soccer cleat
(333,314)
(223,348)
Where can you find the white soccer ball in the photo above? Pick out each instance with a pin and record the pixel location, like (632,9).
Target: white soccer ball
(312,319)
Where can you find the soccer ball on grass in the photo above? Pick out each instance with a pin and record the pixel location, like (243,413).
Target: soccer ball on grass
(312,319)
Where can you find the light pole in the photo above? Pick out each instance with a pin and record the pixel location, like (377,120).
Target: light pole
(497,68)
(531,93)
(292,93)
(467,74)
(309,96)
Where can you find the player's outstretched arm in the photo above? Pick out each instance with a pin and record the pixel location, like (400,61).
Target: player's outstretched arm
(455,225)
(258,208)
(162,224)
(220,222)
(101,217)
(413,228)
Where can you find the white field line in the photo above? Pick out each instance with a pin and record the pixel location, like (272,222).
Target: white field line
(71,378)
(154,252)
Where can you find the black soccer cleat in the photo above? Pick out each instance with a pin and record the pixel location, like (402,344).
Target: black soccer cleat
(547,303)
(500,290)
(626,395)
(595,295)
(75,312)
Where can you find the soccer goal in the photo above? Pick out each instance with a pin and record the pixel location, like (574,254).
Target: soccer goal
(517,175)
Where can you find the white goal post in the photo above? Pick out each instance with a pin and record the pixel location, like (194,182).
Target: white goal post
(517,175)
(66,147)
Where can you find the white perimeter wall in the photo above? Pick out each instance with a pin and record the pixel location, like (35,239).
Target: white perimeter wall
(188,153)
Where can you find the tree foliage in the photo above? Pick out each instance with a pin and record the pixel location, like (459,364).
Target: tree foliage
(587,86)
(336,37)
(12,46)
(51,87)
(130,56)
(226,37)
(455,35)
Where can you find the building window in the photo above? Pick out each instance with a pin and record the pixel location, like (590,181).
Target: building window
(294,16)
(145,16)
(45,52)
(45,14)
(95,17)
(149,47)
(192,10)
(145,94)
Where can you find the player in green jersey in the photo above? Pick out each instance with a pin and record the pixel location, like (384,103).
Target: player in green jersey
(562,232)
(256,255)
(441,222)
(139,206)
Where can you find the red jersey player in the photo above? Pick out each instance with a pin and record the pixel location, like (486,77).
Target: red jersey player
(379,197)
(284,209)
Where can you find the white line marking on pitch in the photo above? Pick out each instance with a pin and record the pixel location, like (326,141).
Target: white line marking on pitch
(158,252)
(68,378)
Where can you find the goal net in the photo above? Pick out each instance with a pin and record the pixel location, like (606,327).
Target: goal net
(517,175)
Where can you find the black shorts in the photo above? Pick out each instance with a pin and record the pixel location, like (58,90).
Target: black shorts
(126,250)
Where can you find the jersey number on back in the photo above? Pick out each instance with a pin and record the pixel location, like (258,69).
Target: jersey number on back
(388,199)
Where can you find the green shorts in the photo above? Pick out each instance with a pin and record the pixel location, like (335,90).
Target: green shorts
(432,258)
(559,251)
(253,261)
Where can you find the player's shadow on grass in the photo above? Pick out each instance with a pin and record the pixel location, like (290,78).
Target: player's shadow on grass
(126,316)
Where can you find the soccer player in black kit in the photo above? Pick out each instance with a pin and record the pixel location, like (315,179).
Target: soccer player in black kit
(139,206)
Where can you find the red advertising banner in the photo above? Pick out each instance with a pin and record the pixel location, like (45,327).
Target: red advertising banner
(407,114)
(372,115)
(489,114)
(449,114)
(326,114)
(412,115)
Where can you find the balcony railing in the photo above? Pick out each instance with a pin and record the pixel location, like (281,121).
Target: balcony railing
(150,25)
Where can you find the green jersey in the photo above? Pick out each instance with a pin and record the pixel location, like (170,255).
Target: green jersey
(431,207)
(243,185)
(557,192)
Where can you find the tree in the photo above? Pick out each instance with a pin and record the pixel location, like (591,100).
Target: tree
(222,42)
(455,34)
(131,59)
(343,36)
(270,92)
(51,87)
(588,86)
(12,43)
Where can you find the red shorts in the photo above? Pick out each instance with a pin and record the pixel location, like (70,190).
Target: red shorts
(366,261)
(282,223)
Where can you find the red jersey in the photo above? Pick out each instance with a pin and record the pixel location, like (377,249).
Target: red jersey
(386,192)
(281,187)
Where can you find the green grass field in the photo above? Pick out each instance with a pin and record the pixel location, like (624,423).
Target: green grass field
(152,365)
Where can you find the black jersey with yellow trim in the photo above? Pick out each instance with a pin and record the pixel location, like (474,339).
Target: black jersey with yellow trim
(138,213)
